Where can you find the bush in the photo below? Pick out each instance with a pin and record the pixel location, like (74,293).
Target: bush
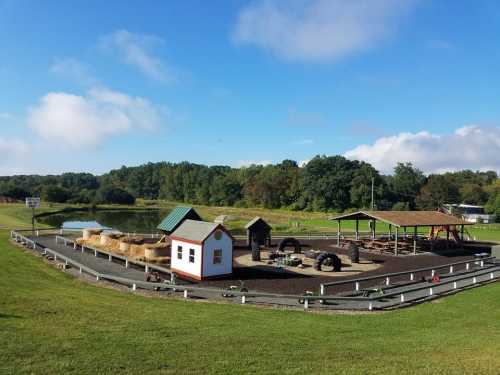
(401,206)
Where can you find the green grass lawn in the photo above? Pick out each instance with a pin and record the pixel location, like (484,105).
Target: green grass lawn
(51,323)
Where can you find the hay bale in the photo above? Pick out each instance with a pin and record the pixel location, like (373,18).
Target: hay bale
(124,246)
(88,233)
(105,237)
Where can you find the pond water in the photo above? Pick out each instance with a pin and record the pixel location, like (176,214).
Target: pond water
(139,221)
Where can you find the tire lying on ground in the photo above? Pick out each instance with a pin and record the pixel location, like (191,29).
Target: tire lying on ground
(290,241)
(328,259)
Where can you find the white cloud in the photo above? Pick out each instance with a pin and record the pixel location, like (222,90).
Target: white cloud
(469,147)
(73,69)
(248,163)
(86,121)
(136,50)
(319,30)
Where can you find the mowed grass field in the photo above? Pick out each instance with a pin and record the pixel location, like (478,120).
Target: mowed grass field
(52,323)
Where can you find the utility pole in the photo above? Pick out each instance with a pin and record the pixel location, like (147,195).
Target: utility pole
(373,200)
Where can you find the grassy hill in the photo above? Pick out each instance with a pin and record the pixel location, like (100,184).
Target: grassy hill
(51,323)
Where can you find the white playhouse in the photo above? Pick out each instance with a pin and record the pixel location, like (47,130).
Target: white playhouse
(201,250)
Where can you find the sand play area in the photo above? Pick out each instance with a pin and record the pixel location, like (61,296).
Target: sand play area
(306,268)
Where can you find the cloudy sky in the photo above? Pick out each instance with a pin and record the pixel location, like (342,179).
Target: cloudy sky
(93,85)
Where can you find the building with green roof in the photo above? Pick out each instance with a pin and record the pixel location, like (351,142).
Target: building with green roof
(176,217)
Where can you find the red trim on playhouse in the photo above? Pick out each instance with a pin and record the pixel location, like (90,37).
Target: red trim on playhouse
(185,240)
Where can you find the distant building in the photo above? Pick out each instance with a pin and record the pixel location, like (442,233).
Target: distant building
(201,250)
(176,217)
(470,213)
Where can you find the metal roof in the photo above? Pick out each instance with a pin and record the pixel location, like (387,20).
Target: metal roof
(176,216)
(406,218)
(193,230)
(255,220)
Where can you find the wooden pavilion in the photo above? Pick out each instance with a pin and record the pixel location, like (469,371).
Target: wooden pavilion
(435,220)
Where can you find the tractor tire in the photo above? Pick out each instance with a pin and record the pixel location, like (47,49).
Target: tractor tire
(328,258)
(290,241)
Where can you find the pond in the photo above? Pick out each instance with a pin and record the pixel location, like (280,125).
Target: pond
(139,221)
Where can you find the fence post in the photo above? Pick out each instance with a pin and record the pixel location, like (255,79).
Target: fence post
(321,289)
(402,298)
(482,263)
(74,245)
(412,276)
(467,266)
(83,249)
(95,252)
(357,285)
(185,293)
(110,257)
(243,299)
(97,278)
(146,268)
(80,269)
(433,272)
(451,269)
(431,291)
(454,285)
(387,280)
(306,303)
(474,280)
(491,276)
(126,263)
(37,233)
(134,287)
(370,306)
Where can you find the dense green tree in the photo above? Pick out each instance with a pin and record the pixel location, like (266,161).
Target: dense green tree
(55,194)
(405,183)
(114,195)
(438,190)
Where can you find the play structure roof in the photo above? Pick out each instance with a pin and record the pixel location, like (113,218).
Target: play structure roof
(196,231)
(406,218)
(176,216)
(257,220)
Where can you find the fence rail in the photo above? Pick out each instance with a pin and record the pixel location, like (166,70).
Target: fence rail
(412,273)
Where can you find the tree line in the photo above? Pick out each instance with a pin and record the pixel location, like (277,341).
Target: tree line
(325,183)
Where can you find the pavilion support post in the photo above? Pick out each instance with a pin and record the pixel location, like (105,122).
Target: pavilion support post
(462,233)
(396,241)
(415,240)
(373,228)
(390,231)
(357,230)
(338,232)
(432,238)
(447,237)
(404,229)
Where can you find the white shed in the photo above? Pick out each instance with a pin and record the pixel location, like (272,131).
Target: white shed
(201,250)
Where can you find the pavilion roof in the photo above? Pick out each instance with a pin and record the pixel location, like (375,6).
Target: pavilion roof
(406,218)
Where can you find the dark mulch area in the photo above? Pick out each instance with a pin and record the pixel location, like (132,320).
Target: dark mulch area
(290,283)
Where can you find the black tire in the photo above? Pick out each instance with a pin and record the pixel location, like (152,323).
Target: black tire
(290,241)
(336,263)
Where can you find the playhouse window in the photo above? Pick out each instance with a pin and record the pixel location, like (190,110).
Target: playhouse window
(179,252)
(217,256)
(191,255)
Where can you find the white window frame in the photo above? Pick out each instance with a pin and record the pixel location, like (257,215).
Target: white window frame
(217,257)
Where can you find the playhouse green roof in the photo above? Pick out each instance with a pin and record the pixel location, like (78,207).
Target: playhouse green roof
(176,216)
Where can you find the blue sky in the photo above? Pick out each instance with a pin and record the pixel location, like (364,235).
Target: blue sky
(92,85)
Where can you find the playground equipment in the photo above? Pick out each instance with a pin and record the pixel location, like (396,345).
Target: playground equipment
(290,241)
(228,292)
(328,259)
